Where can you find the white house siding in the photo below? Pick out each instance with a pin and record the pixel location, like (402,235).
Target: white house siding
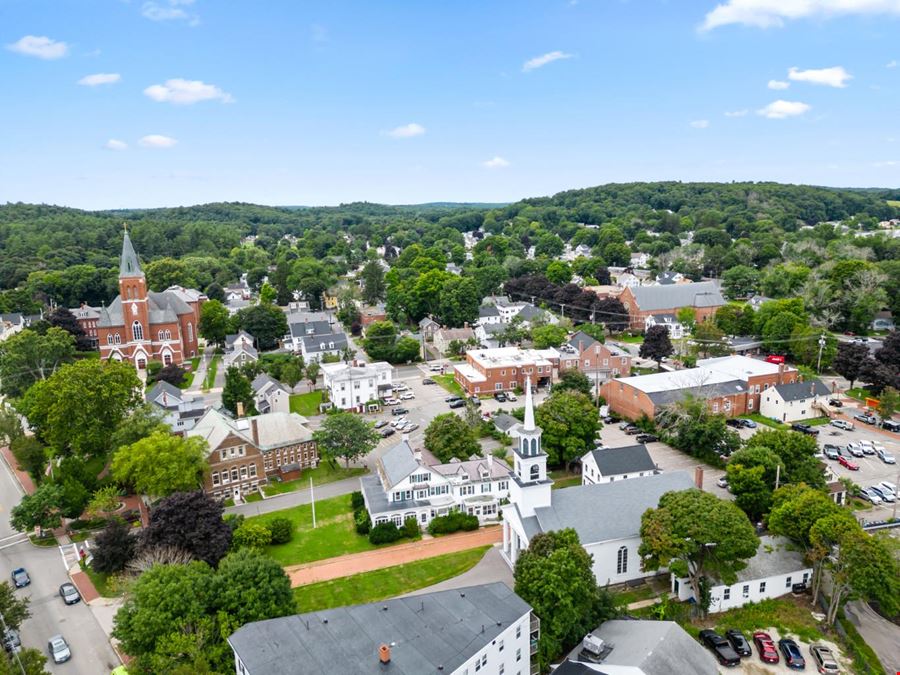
(606,555)
(509,653)
(745,592)
(772,405)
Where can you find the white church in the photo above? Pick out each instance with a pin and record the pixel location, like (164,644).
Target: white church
(606,516)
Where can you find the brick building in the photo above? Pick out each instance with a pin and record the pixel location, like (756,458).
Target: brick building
(505,368)
(245,452)
(703,297)
(593,358)
(87,318)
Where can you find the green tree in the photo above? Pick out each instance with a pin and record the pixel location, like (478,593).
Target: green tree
(549,335)
(555,576)
(41,510)
(161,464)
(373,282)
(777,332)
(215,292)
(804,346)
(266,323)
(31,455)
(796,451)
(888,402)
(595,330)
(405,350)
(141,422)
(267,294)
(656,344)
(214,321)
(312,374)
(346,436)
(736,319)
(79,407)
(850,360)
(751,478)
(709,340)
(251,535)
(686,317)
(104,502)
(249,586)
(740,281)
(690,426)
(448,436)
(573,380)
(13,609)
(697,535)
(10,424)
(291,373)
(569,421)
(237,389)
(27,357)
(114,547)
(379,341)
(559,272)
(32,662)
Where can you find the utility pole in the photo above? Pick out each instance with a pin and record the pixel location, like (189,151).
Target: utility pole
(894,514)
(821,347)
(312,500)
(777,476)
(15,653)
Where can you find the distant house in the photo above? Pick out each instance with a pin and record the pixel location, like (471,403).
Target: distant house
(353,387)
(489,314)
(771,573)
(453,268)
(180,411)
(506,424)
(607,465)
(669,278)
(239,349)
(794,401)
(669,321)
(372,313)
(87,318)
(488,334)
(315,348)
(595,359)
(428,327)
(640,260)
(704,298)
(270,395)
(330,297)
(10,324)
(757,301)
(444,336)
(300,329)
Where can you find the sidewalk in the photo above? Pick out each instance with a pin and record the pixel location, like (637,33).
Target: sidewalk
(356,563)
(22,478)
(295,498)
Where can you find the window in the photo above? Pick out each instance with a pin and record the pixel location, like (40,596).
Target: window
(215,478)
(222,454)
(787,582)
(244,471)
(518,631)
(750,404)
(745,592)
(503,372)
(234,473)
(500,647)
(190,332)
(622,560)
(253,471)
(118,338)
(160,335)
(518,654)
(762,586)
(726,594)
(498,386)
(109,339)
(137,330)
(535,472)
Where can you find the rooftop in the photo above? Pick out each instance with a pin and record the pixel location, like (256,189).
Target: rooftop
(512,357)
(274,429)
(673,296)
(774,557)
(618,461)
(397,463)
(797,391)
(740,367)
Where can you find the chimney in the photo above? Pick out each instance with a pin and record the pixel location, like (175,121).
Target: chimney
(490,461)
(780,373)
(254,431)
(698,477)
(384,654)
(240,408)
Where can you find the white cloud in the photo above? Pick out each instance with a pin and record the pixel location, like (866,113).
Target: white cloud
(407,131)
(778,85)
(737,113)
(891,64)
(40,46)
(886,164)
(835,76)
(543,60)
(778,110)
(496,163)
(186,92)
(99,78)
(157,141)
(115,144)
(169,10)
(774,13)
(700,124)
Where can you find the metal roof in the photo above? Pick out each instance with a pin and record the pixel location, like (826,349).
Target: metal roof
(618,461)
(674,296)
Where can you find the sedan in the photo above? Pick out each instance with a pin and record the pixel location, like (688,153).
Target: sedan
(886,495)
(720,648)
(855,449)
(428,380)
(407,396)
(410,427)
(387,431)
(451,399)
(646,438)
(738,642)
(805,429)
(511,396)
(835,402)
(765,647)
(889,487)
(842,424)
(831,451)
(722,483)
(631,430)
(868,419)
(847,464)
(399,411)
(20,577)
(750,424)
(791,652)
(500,397)
(870,496)
(69,593)
(59,649)
(457,403)
(380,423)
(824,658)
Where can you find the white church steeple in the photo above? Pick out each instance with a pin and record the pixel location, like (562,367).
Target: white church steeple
(530,487)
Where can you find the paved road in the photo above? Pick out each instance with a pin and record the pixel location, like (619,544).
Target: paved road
(91,652)
(291,499)
(490,569)
(881,635)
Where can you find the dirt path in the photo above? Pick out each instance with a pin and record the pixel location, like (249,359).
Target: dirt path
(355,563)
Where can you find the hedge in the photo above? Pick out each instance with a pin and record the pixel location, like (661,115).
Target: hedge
(453,522)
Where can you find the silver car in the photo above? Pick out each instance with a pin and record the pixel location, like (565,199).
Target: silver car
(886,495)
(59,649)
(886,457)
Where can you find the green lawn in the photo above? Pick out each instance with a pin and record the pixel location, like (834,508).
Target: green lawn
(385,583)
(253,497)
(817,422)
(630,339)
(643,370)
(334,535)
(630,595)
(859,393)
(893,203)
(563,479)
(324,473)
(210,378)
(189,376)
(46,541)
(760,419)
(787,616)
(448,383)
(107,585)
(306,404)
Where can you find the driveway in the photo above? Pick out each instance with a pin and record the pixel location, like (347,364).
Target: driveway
(490,569)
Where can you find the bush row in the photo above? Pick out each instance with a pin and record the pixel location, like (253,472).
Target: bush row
(385,533)
(453,522)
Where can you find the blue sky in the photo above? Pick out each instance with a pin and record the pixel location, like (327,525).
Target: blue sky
(109,103)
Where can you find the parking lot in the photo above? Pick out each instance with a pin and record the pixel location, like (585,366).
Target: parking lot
(753,666)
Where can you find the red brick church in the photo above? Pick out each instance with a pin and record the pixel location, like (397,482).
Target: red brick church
(142,325)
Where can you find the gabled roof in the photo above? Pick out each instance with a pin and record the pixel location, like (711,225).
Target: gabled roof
(774,557)
(618,461)
(799,391)
(397,463)
(313,343)
(264,383)
(529,312)
(450,334)
(474,469)
(163,307)
(488,310)
(274,430)
(673,296)
(299,329)
(173,393)
(582,340)
(428,321)
(504,421)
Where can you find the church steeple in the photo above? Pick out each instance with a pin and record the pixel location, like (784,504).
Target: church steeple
(530,487)
(529,406)
(129,265)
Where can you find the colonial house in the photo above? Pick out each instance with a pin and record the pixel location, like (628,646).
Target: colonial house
(669,321)
(240,291)
(534,508)
(595,359)
(269,395)
(180,411)
(428,327)
(354,387)
(87,318)
(444,336)
(667,278)
(239,349)
(141,325)
(298,329)
(505,369)
(316,348)
(795,401)
(640,260)
(606,465)
(485,629)
(489,314)
(771,573)
(506,424)
(488,334)
(404,486)
(704,298)
(245,452)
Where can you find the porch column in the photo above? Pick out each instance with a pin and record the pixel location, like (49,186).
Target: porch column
(506,537)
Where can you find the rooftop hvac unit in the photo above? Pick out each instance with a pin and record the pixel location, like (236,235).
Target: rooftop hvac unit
(593,645)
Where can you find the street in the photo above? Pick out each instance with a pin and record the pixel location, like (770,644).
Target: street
(91,651)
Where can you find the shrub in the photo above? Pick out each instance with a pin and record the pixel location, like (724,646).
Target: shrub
(113,548)
(93,524)
(411,528)
(384,533)
(251,535)
(357,501)
(453,522)
(233,520)
(281,530)
(363,521)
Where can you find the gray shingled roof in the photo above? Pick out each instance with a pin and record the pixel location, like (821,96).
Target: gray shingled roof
(430,633)
(164,307)
(504,421)
(397,463)
(774,557)
(583,507)
(129,265)
(618,461)
(700,294)
(488,310)
(161,387)
(581,339)
(529,312)
(302,328)
(313,343)
(797,391)
(729,388)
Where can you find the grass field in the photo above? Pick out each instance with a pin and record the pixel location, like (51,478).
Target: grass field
(334,535)
(448,383)
(893,203)
(564,479)
(630,339)
(189,377)
(107,585)
(817,422)
(210,378)
(787,616)
(324,473)
(306,404)
(760,419)
(385,583)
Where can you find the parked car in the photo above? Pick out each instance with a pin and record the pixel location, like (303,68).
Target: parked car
(885,485)
(876,446)
(646,438)
(435,368)
(842,424)
(12,641)
(867,418)
(890,425)
(500,397)
(428,380)
(69,593)
(399,411)
(392,401)
(474,400)
(722,483)
(824,658)
(632,430)
(870,496)
(720,648)
(457,403)
(734,422)
(59,649)
(624,425)
(412,426)
(387,431)
(451,398)
(738,642)
(20,577)
(765,647)
(835,402)
(380,423)
(886,495)
(750,424)
(791,652)
(406,396)
(510,396)
(855,449)
(401,387)
(399,422)
(805,429)
(847,464)
(831,451)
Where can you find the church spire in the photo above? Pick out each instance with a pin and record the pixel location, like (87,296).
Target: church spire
(129,265)
(529,406)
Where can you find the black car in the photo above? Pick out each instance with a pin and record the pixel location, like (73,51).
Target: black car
(457,403)
(890,425)
(387,431)
(428,380)
(20,577)
(719,646)
(399,411)
(835,402)
(500,397)
(451,398)
(791,652)
(738,642)
(805,429)
(646,438)
(474,400)
(735,423)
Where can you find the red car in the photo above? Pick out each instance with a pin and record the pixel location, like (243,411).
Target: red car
(847,464)
(765,646)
